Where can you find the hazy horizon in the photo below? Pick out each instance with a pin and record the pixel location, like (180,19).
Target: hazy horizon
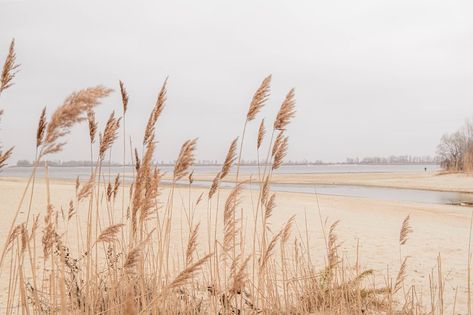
(372,78)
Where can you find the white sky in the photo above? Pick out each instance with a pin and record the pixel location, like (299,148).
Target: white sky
(371,77)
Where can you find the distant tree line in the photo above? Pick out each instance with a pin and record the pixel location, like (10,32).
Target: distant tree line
(26,163)
(395,159)
(455,150)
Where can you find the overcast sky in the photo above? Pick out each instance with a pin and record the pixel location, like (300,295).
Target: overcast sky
(371,77)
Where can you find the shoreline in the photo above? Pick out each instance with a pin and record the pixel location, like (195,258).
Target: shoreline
(428,181)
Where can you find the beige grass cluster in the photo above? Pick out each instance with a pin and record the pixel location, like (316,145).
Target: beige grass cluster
(128,263)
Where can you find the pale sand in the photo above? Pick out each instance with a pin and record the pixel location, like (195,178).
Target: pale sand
(375,224)
(414,180)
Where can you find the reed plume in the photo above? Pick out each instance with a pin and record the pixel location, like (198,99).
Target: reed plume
(157,110)
(116,185)
(187,274)
(92,125)
(185,159)
(238,276)
(286,232)
(280,153)
(109,235)
(41,128)
(229,159)
(124,95)
(269,207)
(10,68)
(401,275)
(132,259)
(286,111)
(268,251)
(214,186)
(49,232)
(406,229)
(137,161)
(71,211)
(143,197)
(109,135)
(4,156)
(229,218)
(69,113)
(259,99)
(192,244)
(86,189)
(261,133)
(265,190)
(191,177)
(332,246)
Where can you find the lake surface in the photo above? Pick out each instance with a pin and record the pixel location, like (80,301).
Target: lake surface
(392,194)
(84,172)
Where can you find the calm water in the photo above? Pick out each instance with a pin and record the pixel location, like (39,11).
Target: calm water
(84,172)
(393,194)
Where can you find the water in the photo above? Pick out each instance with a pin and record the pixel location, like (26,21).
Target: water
(84,172)
(392,194)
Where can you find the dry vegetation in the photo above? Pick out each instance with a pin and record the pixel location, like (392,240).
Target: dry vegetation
(123,259)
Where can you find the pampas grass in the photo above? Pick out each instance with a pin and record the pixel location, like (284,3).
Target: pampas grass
(71,112)
(10,68)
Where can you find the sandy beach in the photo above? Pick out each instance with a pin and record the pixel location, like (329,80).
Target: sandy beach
(372,224)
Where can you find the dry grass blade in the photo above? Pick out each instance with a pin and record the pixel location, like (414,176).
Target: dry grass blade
(286,112)
(261,133)
(4,156)
(185,159)
(157,110)
(9,68)
(229,159)
(259,99)
(109,135)
(92,125)
(41,128)
(406,229)
(124,94)
(187,273)
(109,235)
(69,113)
